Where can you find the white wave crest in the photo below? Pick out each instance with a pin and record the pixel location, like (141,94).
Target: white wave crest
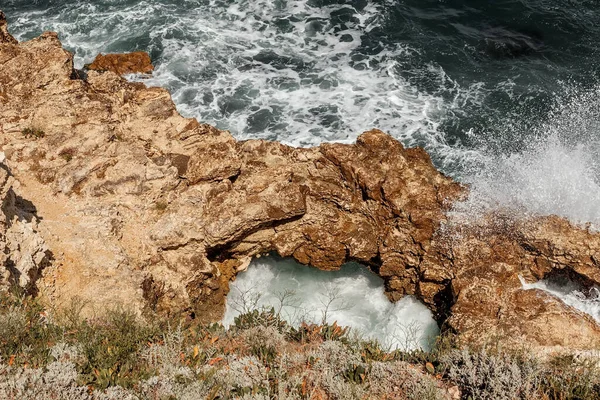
(571,294)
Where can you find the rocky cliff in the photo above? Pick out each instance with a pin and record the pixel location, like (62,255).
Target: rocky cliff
(121,200)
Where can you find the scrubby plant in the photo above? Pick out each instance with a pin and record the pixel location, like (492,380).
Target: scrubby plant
(111,347)
(265,343)
(34,133)
(48,355)
(25,334)
(496,375)
(67,154)
(260,317)
(567,377)
(321,332)
(400,380)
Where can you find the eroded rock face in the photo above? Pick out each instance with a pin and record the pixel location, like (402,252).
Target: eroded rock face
(130,63)
(490,259)
(143,207)
(23,252)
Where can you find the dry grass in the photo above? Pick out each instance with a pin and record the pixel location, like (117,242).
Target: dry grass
(60,355)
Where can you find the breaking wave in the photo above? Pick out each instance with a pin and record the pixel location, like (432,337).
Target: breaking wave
(556,171)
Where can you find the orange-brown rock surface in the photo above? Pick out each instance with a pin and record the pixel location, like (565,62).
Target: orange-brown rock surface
(5,37)
(137,62)
(137,205)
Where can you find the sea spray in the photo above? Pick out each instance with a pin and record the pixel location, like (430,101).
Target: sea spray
(352,296)
(557,172)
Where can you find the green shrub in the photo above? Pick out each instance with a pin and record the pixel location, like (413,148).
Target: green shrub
(262,317)
(567,377)
(111,348)
(26,336)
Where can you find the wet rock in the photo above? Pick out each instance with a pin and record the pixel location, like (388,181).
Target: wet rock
(129,63)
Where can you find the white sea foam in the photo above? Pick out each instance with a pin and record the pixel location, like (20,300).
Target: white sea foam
(291,70)
(352,296)
(302,84)
(572,295)
(557,171)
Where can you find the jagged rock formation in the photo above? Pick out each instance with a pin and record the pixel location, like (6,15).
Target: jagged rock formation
(5,37)
(143,207)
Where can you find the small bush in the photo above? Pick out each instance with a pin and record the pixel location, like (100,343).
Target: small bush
(34,133)
(256,317)
(319,332)
(67,154)
(111,349)
(400,380)
(26,337)
(265,343)
(566,377)
(488,376)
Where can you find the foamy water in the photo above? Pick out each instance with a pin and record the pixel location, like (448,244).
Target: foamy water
(302,84)
(352,296)
(571,294)
(296,71)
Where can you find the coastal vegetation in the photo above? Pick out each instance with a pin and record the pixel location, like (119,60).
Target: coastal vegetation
(46,354)
(34,133)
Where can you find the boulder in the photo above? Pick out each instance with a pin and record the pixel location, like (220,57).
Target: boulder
(128,63)
(5,37)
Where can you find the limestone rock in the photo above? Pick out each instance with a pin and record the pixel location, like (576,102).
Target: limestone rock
(5,37)
(130,63)
(143,207)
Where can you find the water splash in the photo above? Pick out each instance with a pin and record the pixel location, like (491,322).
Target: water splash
(556,172)
(352,296)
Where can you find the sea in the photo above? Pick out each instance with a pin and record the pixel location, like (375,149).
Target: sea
(503,94)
